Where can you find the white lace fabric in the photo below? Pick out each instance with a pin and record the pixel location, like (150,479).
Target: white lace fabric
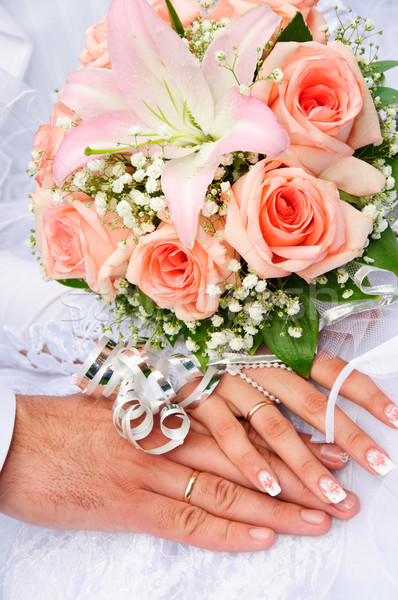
(47,330)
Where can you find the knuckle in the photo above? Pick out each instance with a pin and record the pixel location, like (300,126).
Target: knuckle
(190,520)
(276,427)
(225,494)
(355,438)
(278,511)
(315,403)
(228,429)
(307,468)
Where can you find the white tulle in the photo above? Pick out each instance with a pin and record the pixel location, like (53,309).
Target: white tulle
(356,559)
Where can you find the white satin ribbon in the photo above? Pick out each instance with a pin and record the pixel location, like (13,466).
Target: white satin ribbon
(380,362)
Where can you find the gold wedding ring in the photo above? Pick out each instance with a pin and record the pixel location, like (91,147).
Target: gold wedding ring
(190,485)
(256,407)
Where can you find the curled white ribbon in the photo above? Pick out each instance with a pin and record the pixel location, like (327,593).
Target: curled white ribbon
(145,390)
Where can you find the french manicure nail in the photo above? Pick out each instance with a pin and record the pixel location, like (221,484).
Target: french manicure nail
(332,490)
(315,517)
(392,414)
(268,483)
(333,453)
(262,535)
(379,461)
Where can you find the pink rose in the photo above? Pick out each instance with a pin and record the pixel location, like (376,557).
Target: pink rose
(95,53)
(48,139)
(284,221)
(232,9)
(187,10)
(175,276)
(75,245)
(325,106)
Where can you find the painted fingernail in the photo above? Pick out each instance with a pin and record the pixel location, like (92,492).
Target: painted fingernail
(334,453)
(268,483)
(332,490)
(392,414)
(379,461)
(347,504)
(315,517)
(262,535)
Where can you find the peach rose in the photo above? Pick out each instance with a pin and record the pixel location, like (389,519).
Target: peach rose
(95,53)
(325,106)
(232,9)
(74,244)
(187,10)
(284,221)
(48,139)
(175,276)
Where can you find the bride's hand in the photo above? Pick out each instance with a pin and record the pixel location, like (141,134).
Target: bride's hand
(236,397)
(67,468)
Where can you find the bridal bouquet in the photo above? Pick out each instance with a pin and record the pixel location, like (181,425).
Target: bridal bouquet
(220,173)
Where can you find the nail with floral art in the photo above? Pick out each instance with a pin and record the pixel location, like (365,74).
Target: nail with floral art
(392,414)
(269,484)
(379,461)
(332,490)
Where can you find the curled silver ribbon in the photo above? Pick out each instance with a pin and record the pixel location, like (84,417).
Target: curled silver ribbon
(388,294)
(145,390)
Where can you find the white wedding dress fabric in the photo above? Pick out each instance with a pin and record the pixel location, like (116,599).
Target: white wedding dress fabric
(39,43)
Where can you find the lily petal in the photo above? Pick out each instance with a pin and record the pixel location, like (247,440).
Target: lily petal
(90,92)
(154,68)
(184,183)
(101,132)
(245,124)
(106,131)
(242,38)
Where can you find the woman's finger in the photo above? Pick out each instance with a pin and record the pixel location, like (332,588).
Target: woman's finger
(280,434)
(310,404)
(358,388)
(203,453)
(217,417)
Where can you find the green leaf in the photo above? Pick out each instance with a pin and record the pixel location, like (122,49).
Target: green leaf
(387,95)
(146,302)
(349,198)
(74,283)
(385,251)
(174,19)
(297,353)
(296,31)
(381,66)
(332,291)
(371,152)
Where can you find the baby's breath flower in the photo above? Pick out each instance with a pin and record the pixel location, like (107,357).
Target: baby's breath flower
(57,197)
(244,90)
(347,293)
(217,320)
(64,123)
(209,208)
(237,344)
(250,281)
(234,265)
(261,286)
(191,345)
(295,332)
(138,160)
(213,290)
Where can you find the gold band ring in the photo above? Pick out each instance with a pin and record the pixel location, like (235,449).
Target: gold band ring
(256,407)
(189,488)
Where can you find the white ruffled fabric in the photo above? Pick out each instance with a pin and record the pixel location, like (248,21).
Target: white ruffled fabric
(355,559)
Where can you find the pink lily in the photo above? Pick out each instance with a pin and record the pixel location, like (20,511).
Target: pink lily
(193,110)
